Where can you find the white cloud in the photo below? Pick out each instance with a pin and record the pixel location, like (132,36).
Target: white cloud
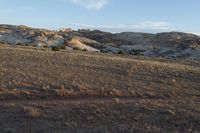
(90,4)
(196,33)
(146,26)
(152,25)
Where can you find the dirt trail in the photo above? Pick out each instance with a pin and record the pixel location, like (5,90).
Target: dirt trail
(70,100)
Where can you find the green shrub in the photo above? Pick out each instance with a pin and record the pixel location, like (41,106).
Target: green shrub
(120,52)
(138,52)
(76,48)
(85,50)
(18,43)
(56,48)
(62,47)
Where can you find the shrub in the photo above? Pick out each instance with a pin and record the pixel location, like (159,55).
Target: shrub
(76,48)
(18,43)
(32,112)
(138,52)
(62,47)
(85,50)
(55,48)
(120,52)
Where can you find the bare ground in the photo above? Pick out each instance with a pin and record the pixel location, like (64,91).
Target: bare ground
(44,91)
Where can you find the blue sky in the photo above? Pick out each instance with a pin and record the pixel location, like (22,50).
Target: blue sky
(109,15)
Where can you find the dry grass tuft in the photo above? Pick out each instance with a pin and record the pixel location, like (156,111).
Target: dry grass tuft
(32,112)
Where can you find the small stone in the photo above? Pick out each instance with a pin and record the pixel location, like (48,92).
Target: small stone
(171,112)
(173,80)
(116,100)
(90,118)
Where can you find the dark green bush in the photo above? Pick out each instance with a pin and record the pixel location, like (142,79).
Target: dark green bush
(18,43)
(56,48)
(138,52)
(62,47)
(120,52)
(85,50)
(76,48)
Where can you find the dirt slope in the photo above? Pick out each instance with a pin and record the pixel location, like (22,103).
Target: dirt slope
(67,91)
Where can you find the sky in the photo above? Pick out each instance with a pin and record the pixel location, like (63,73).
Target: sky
(108,15)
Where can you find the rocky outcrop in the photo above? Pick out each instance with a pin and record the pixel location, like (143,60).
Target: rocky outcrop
(78,43)
(29,36)
(168,44)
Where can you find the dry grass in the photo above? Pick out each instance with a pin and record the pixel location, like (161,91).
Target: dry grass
(147,94)
(32,112)
(31,72)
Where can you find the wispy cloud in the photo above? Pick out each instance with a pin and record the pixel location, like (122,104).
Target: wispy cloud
(142,26)
(90,4)
(152,25)
(196,33)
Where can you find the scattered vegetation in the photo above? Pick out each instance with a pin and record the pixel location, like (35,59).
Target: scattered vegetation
(133,94)
(137,52)
(120,52)
(32,112)
(62,47)
(55,48)
(85,50)
(18,44)
(76,48)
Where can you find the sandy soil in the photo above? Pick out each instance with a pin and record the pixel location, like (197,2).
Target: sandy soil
(67,91)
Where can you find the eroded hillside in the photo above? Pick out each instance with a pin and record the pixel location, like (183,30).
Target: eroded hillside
(168,45)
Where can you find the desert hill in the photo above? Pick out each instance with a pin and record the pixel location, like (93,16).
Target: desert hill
(168,45)
(75,91)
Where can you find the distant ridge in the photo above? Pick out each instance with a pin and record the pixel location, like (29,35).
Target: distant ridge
(166,44)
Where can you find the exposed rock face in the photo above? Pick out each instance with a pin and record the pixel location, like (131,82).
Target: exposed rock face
(77,43)
(169,44)
(28,36)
